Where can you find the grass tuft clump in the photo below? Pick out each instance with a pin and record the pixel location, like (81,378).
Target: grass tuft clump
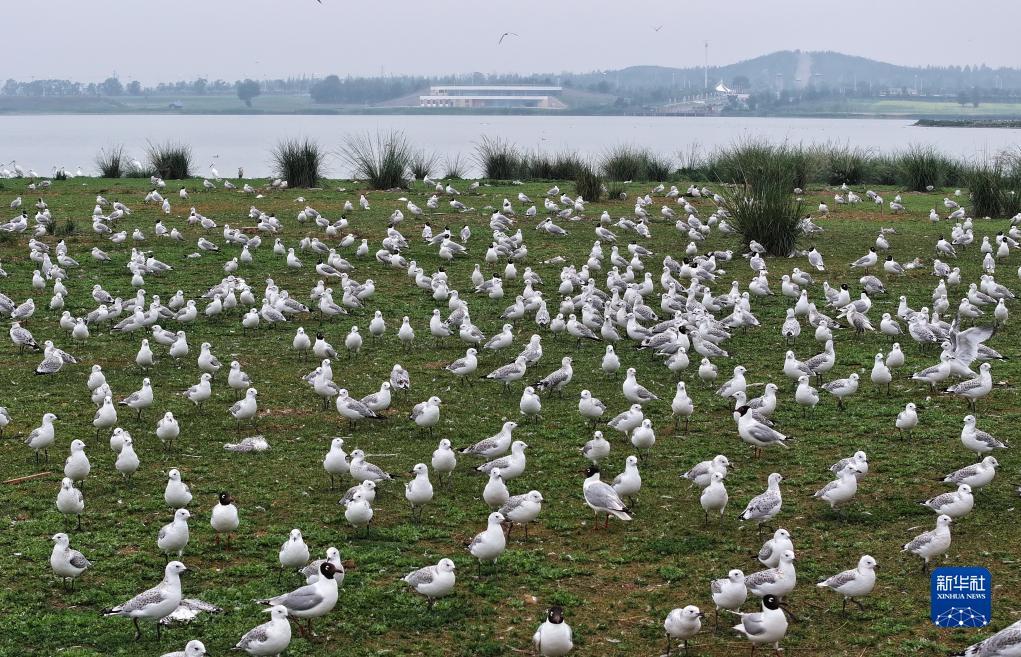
(422,164)
(996,187)
(170,160)
(382,160)
(454,167)
(761,206)
(588,184)
(111,162)
(499,159)
(627,162)
(919,167)
(299,161)
(845,164)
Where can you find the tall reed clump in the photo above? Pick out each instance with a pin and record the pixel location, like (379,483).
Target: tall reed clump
(111,162)
(588,183)
(746,162)
(170,160)
(299,161)
(920,167)
(499,160)
(846,164)
(761,205)
(995,187)
(627,162)
(382,160)
(422,164)
(564,165)
(454,167)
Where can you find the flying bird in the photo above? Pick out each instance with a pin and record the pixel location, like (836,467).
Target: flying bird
(502,36)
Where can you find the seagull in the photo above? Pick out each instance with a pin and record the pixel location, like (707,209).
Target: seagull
(714,496)
(956,504)
(682,624)
(310,601)
(635,392)
(419,491)
(495,445)
(294,552)
(511,466)
(488,545)
(931,543)
(177,494)
(154,603)
(67,564)
(855,583)
(765,506)
(553,638)
(433,582)
(766,626)
(976,475)
(193,648)
(502,36)
(602,498)
(976,440)
(270,638)
(521,509)
(701,474)
(841,489)
(728,593)
(224,518)
(173,537)
(1005,643)
(778,581)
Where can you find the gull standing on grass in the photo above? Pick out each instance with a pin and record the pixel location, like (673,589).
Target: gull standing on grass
(755,433)
(362,470)
(1005,643)
(154,603)
(763,507)
(427,414)
(766,626)
(530,405)
(602,498)
(270,638)
(522,509)
(310,601)
(177,494)
(855,583)
(635,392)
(418,491)
(841,388)
(70,500)
(224,518)
(956,504)
(512,465)
(496,444)
(976,475)
(976,440)
(907,419)
(681,406)
(77,466)
(489,544)
(682,624)
(842,489)
(245,409)
(67,564)
(714,496)
(444,461)
(293,552)
(931,543)
(173,537)
(40,439)
(728,593)
(495,494)
(701,474)
(554,637)
(433,582)
(358,509)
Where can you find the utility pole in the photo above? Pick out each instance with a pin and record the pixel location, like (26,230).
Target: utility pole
(707,73)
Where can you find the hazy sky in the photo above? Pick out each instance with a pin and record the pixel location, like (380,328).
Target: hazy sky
(182,39)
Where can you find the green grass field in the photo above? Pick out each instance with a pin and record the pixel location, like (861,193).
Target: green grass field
(616,586)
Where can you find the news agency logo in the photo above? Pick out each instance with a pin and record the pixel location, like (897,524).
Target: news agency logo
(961,597)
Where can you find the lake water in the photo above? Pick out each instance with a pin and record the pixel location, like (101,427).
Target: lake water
(45,141)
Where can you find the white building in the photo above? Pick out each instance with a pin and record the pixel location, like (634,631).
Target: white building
(492,96)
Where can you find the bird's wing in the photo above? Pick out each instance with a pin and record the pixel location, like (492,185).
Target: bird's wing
(511,504)
(420,576)
(920,541)
(153,596)
(941,500)
(255,635)
(965,343)
(498,463)
(754,624)
(840,579)
(300,599)
(762,504)
(78,560)
(1002,643)
(602,495)
(715,586)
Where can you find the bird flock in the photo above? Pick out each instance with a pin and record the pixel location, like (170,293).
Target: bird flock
(618,321)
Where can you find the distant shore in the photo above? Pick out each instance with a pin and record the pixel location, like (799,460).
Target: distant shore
(968,123)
